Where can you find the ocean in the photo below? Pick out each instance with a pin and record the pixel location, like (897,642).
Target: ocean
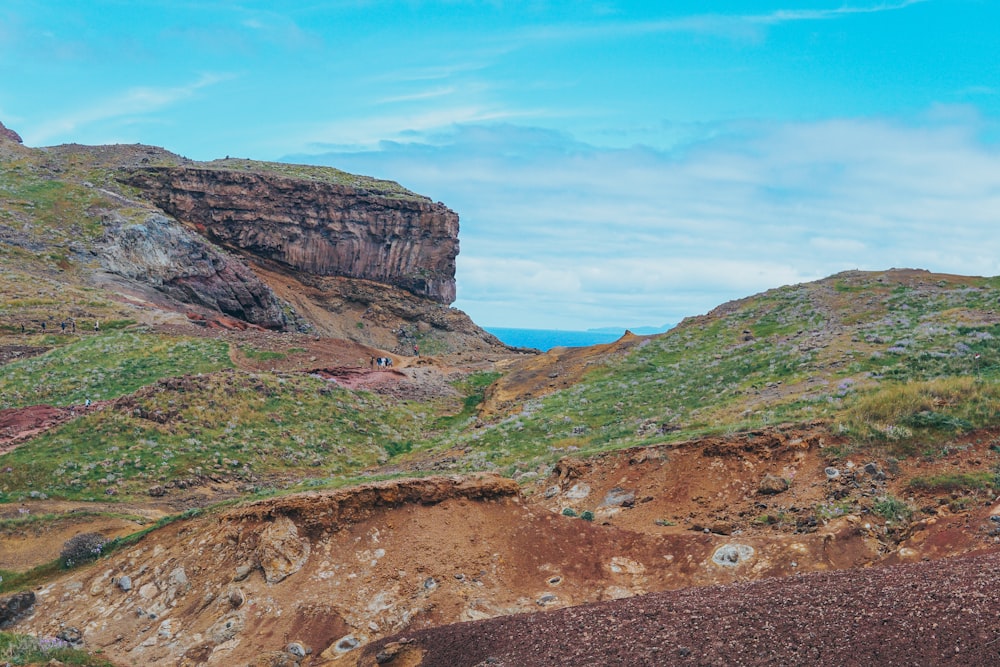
(546,339)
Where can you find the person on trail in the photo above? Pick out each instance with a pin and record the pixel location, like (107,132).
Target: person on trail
(371,362)
(86,403)
(97,325)
(62,325)
(43,326)
(416,350)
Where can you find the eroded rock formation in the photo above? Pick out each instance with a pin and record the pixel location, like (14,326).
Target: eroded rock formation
(163,254)
(315,227)
(7,133)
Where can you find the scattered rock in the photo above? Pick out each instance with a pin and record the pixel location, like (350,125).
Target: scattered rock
(345,644)
(873,470)
(618,497)
(772,484)
(296,649)
(156,491)
(242,572)
(70,634)
(236,598)
(281,552)
(225,629)
(831,473)
(125,583)
(721,528)
(578,491)
(13,607)
(731,555)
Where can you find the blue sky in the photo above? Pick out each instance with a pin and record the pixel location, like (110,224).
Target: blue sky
(613,163)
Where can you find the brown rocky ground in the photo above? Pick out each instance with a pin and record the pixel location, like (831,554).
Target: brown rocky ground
(935,613)
(334,571)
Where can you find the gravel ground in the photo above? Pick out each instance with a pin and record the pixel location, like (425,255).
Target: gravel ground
(943,612)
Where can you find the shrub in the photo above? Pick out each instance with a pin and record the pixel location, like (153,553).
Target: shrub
(568,511)
(82,548)
(587,515)
(892,508)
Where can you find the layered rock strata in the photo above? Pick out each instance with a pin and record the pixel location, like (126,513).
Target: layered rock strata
(315,227)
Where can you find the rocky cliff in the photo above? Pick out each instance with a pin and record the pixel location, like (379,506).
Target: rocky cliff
(314,226)
(177,262)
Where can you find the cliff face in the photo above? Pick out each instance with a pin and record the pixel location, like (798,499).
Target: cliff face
(161,253)
(315,227)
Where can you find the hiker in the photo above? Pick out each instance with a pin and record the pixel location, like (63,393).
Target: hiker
(416,350)
(73,323)
(371,362)
(22,327)
(62,325)
(97,325)
(86,403)
(43,326)
(388,362)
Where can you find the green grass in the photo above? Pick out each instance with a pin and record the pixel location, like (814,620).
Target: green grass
(261,355)
(389,189)
(106,366)
(242,426)
(19,649)
(901,415)
(892,509)
(965,481)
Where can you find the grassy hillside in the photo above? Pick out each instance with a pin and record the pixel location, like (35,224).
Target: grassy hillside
(888,358)
(900,361)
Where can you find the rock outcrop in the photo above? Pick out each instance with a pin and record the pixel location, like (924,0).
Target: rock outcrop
(313,226)
(7,133)
(177,262)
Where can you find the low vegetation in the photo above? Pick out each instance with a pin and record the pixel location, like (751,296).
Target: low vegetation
(19,649)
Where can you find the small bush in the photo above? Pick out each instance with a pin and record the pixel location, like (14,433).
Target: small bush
(891,508)
(18,649)
(82,548)
(587,515)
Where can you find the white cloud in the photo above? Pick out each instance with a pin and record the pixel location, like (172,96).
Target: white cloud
(560,234)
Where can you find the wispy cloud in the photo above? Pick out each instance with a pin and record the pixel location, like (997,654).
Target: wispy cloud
(722,25)
(561,233)
(137,100)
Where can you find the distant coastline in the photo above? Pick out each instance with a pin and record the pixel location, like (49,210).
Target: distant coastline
(546,339)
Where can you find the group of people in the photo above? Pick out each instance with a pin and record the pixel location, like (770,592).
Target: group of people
(63,325)
(381,362)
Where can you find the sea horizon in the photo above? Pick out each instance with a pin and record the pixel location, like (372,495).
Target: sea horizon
(546,339)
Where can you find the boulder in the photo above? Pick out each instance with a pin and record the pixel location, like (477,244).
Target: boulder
(281,552)
(14,607)
(772,484)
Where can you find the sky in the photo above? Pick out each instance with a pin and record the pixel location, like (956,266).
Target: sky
(614,163)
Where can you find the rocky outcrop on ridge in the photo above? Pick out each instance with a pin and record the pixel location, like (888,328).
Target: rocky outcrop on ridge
(315,227)
(7,133)
(161,253)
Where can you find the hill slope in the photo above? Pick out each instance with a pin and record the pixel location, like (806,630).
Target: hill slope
(180,374)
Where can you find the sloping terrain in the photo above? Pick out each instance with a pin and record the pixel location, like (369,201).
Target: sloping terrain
(203,391)
(938,613)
